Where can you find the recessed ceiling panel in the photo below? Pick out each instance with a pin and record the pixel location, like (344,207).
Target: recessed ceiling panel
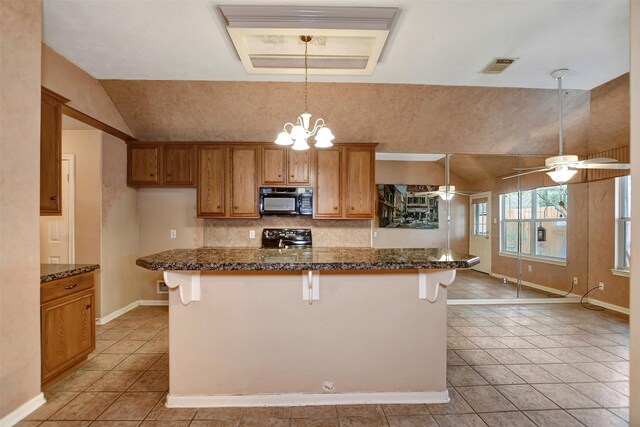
(345,40)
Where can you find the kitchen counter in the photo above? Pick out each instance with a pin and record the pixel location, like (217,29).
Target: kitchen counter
(49,272)
(253,259)
(320,326)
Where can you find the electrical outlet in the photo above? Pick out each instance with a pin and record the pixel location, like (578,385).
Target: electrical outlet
(252,234)
(601,286)
(505,281)
(172,233)
(575,281)
(375,234)
(495,220)
(161,287)
(530,268)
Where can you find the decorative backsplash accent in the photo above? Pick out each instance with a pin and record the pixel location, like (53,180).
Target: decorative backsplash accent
(326,233)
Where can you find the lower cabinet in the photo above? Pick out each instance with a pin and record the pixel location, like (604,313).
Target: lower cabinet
(67,323)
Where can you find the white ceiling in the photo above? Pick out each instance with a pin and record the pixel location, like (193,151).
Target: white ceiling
(437,42)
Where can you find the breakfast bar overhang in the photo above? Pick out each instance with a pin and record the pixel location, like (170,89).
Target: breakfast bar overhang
(284,327)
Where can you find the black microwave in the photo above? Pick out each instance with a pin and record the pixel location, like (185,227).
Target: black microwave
(286,201)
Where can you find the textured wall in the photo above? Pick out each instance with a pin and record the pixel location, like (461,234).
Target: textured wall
(609,117)
(20,34)
(83,91)
(409,118)
(120,235)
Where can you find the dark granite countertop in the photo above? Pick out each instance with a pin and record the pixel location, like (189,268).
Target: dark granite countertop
(254,259)
(49,272)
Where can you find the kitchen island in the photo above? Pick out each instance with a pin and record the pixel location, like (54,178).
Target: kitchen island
(281,327)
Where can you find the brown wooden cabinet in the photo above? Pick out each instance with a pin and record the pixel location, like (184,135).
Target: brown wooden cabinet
(144,165)
(285,167)
(298,167)
(51,152)
(178,165)
(212,181)
(161,164)
(344,184)
(67,317)
(360,191)
(274,166)
(244,181)
(328,191)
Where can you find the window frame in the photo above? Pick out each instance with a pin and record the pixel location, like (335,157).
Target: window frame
(623,200)
(533,222)
(477,213)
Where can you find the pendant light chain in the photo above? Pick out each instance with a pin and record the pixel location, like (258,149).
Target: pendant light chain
(306,95)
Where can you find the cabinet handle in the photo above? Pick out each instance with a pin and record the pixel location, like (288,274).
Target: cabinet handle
(168,174)
(88,306)
(235,207)
(151,174)
(335,208)
(279,176)
(218,207)
(69,287)
(352,208)
(54,197)
(291,176)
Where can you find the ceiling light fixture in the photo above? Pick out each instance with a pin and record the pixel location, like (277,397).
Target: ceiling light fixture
(447,193)
(298,134)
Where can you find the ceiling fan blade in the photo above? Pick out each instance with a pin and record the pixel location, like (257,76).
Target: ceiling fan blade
(602,166)
(598,160)
(527,173)
(528,169)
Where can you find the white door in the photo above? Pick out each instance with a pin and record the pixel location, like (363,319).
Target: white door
(480,228)
(57,232)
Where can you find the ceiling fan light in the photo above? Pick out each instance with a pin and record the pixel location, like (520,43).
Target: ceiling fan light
(284,139)
(300,145)
(562,174)
(446,194)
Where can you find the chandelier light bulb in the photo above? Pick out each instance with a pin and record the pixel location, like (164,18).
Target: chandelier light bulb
(284,139)
(562,174)
(300,145)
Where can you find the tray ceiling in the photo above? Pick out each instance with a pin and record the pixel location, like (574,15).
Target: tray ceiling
(432,42)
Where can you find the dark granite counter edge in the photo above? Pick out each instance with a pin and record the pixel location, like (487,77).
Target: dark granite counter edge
(68,273)
(275,266)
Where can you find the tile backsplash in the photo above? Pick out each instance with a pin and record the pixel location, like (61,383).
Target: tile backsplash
(326,233)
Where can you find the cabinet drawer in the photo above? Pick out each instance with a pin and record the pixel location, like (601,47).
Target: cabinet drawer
(67,286)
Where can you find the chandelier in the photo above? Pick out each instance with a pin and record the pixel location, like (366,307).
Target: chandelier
(297,135)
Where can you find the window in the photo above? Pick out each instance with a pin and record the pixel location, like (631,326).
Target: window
(541,216)
(623,223)
(480,219)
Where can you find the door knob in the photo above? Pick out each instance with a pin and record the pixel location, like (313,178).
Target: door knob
(88,306)
(54,197)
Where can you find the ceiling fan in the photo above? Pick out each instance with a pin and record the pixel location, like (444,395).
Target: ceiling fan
(563,167)
(443,193)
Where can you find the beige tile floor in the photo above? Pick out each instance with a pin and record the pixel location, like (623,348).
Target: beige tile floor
(471,284)
(509,365)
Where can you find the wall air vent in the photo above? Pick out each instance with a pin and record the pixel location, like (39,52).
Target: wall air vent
(498,65)
(346,40)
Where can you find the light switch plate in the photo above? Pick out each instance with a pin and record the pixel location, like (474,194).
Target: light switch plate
(173,234)
(252,234)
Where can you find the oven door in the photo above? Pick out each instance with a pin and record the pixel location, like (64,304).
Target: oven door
(279,204)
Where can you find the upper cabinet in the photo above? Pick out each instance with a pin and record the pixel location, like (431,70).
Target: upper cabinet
(244,181)
(227,181)
(285,167)
(345,182)
(161,165)
(359,182)
(51,152)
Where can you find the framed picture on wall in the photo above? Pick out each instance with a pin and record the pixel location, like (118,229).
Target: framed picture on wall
(407,206)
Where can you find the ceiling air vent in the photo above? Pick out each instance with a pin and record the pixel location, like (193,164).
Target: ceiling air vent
(498,65)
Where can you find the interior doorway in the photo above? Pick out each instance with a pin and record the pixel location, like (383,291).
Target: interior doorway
(480,230)
(57,233)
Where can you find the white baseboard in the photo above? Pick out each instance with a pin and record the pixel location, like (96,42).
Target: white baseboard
(154,302)
(536,286)
(109,317)
(612,307)
(22,411)
(499,301)
(299,399)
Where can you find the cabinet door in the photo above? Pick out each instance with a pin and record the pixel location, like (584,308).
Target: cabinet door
(328,194)
(274,165)
(178,165)
(143,165)
(212,180)
(68,334)
(360,182)
(298,167)
(50,153)
(244,182)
